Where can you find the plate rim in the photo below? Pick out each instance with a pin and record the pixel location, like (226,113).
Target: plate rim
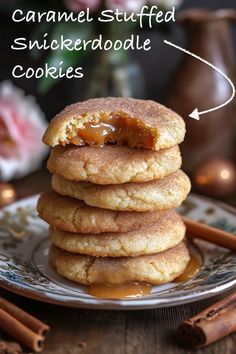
(123,304)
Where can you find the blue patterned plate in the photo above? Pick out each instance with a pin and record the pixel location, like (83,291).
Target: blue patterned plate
(24,267)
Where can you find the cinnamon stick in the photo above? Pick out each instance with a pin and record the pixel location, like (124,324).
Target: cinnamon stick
(212,324)
(20,332)
(29,321)
(210,234)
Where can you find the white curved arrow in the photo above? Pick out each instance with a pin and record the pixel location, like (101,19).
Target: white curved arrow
(195,113)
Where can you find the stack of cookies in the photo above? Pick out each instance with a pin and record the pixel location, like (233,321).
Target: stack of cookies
(116,181)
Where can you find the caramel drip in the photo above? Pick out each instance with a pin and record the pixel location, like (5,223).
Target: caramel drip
(129,290)
(192,269)
(135,289)
(97,133)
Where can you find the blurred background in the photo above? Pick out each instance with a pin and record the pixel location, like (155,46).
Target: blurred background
(206,27)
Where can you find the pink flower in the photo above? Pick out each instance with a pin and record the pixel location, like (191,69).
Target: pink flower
(125,5)
(82,5)
(22,124)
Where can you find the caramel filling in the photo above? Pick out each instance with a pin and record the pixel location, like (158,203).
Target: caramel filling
(128,290)
(115,128)
(191,270)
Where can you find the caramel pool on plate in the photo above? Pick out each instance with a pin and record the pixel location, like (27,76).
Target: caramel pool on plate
(129,290)
(191,270)
(134,290)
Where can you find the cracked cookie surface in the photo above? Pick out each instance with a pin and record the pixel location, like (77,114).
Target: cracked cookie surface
(167,193)
(113,164)
(74,215)
(167,232)
(157,268)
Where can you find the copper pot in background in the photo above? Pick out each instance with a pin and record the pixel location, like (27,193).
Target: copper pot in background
(196,85)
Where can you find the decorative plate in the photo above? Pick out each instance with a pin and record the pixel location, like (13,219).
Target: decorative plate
(24,267)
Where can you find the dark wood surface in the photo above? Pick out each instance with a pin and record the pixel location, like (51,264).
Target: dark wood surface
(112,332)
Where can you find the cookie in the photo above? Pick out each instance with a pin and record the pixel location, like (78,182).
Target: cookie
(167,193)
(167,232)
(158,268)
(73,215)
(113,164)
(125,121)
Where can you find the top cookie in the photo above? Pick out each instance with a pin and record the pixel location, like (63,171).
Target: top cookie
(125,121)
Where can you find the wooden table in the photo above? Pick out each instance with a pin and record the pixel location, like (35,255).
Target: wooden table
(76,331)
